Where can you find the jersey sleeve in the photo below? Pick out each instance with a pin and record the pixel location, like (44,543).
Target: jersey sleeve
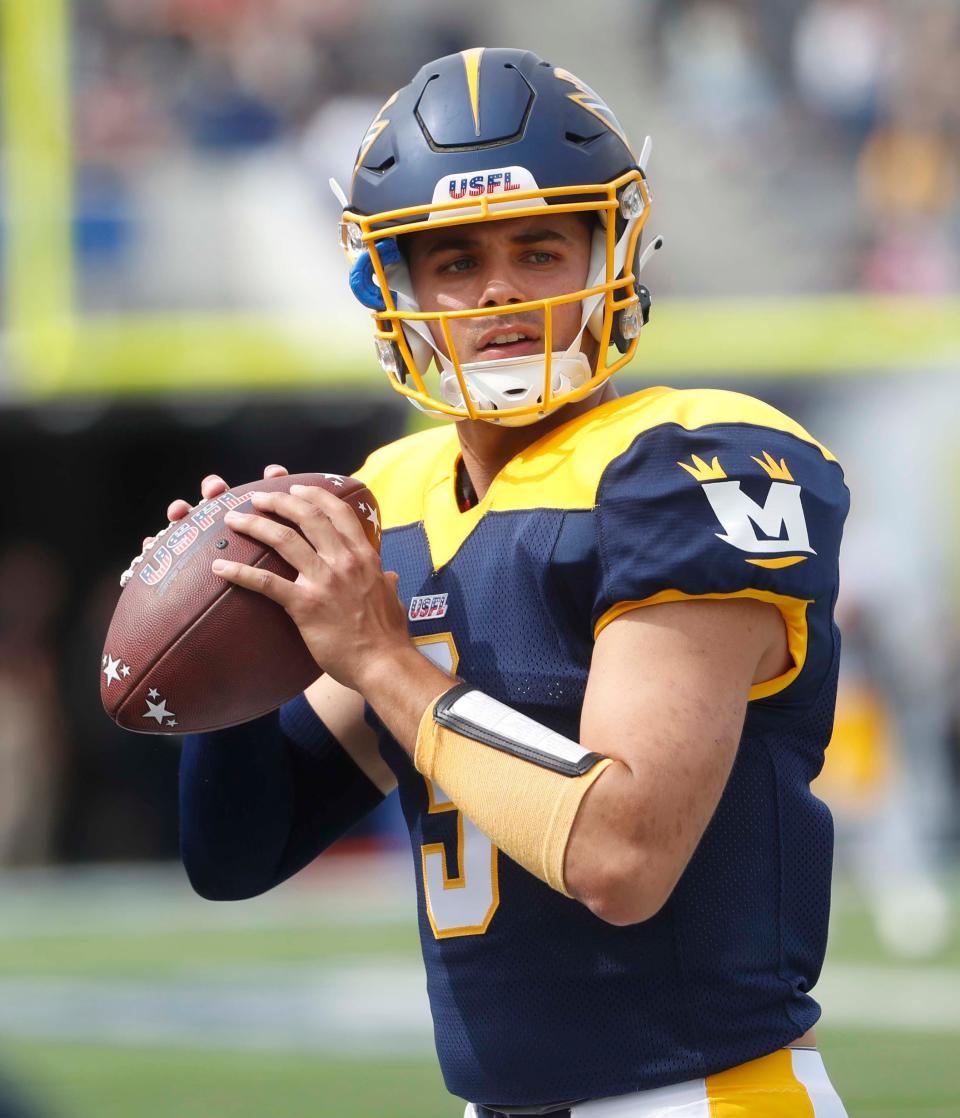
(726,511)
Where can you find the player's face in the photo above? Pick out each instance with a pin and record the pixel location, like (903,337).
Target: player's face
(496,264)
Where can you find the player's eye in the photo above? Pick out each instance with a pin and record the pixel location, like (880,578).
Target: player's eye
(540,257)
(460,264)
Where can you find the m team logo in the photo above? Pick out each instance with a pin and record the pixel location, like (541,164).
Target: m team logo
(427,607)
(776,527)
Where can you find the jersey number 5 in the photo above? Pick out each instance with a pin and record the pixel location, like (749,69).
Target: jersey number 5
(461,905)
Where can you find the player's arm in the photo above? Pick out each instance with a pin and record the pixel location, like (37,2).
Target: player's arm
(342,712)
(261,800)
(666,699)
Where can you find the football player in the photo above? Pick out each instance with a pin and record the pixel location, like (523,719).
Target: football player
(598,659)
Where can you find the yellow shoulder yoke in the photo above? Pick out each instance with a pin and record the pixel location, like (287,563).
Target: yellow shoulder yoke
(414,478)
(399,473)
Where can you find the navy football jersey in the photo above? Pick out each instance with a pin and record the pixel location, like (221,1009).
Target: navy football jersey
(662,496)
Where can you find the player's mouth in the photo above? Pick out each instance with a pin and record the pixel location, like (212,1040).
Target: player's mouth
(513,340)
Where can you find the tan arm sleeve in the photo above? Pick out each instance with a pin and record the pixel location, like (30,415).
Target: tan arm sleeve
(526,809)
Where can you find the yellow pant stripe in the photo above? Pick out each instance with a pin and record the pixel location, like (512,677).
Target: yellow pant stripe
(766,1086)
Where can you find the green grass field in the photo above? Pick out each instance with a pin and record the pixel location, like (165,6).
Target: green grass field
(123,995)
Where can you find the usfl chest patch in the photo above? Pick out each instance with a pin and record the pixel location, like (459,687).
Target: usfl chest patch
(427,607)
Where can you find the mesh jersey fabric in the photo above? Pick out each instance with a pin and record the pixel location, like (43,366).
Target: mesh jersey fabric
(541,1001)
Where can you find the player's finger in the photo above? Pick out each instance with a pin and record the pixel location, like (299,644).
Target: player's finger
(212,486)
(285,540)
(341,516)
(270,585)
(275,470)
(314,524)
(177,509)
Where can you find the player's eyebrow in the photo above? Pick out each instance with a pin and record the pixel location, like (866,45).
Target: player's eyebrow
(468,244)
(452,244)
(536,236)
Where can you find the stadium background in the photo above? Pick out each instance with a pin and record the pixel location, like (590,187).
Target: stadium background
(174,303)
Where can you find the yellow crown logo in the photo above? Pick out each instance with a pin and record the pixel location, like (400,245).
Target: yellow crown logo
(776,470)
(701,471)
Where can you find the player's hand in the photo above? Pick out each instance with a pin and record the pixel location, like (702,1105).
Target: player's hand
(345,606)
(211,486)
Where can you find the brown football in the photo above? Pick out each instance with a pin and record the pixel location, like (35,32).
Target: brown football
(187,651)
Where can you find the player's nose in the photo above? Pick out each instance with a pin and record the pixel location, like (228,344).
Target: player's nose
(500,291)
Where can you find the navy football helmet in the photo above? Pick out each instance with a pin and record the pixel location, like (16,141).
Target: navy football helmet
(489,135)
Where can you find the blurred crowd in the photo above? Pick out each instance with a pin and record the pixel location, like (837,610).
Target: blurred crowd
(205,132)
(801,146)
(805,146)
(836,121)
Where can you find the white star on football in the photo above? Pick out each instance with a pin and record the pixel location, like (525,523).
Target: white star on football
(110,671)
(335,479)
(124,670)
(374,518)
(158,711)
(171,722)
(153,693)
(103,662)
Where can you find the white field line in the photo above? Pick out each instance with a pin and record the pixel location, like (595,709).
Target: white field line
(369,1007)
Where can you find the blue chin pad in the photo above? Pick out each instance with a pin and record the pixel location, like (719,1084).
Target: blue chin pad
(363,282)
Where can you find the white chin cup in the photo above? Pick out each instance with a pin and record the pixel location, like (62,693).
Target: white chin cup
(515,382)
